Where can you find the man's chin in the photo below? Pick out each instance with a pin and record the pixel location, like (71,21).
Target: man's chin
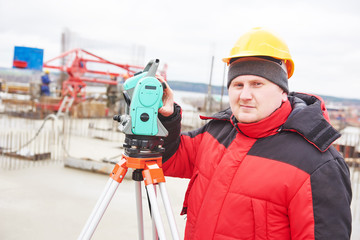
(246,118)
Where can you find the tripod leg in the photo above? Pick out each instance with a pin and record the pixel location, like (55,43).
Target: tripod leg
(155,233)
(98,203)
(155,211)
(169,213)
(95,218)
(116,177)
(139,209)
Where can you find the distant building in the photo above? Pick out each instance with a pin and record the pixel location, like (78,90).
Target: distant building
(337,115)
(343,115)
(349,142)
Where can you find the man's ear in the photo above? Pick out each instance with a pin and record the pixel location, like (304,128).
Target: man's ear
(284,96)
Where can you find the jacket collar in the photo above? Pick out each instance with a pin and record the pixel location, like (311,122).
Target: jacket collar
(267,126)
(309,119)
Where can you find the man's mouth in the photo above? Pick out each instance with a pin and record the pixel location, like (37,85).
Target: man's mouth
(246,106)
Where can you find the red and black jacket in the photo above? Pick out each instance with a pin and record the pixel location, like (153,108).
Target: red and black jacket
(279,178)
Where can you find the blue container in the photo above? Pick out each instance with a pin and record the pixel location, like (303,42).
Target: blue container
(28,58)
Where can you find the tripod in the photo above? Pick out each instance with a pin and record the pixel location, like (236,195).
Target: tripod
(143,154)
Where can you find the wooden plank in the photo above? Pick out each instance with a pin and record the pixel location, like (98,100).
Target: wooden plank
(35,157)
(15,89)
(89,165)
(18,102)
(103,167)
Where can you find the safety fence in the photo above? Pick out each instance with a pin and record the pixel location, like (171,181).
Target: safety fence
(27,142)
(191,120)
(99,128)
(355,182)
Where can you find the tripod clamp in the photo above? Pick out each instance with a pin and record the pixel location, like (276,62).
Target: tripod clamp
(143,154)
(149,167)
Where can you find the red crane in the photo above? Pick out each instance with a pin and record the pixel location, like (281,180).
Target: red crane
(75,65)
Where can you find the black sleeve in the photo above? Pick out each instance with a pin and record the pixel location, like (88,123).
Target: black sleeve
(331,190)
(173,125)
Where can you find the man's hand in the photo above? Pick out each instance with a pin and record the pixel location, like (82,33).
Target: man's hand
(168,99)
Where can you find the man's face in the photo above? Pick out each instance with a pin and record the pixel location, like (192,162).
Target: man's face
(253,98)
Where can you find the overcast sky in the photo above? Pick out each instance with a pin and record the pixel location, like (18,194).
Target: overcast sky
(323,36)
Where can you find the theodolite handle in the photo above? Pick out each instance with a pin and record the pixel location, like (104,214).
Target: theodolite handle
(151,68)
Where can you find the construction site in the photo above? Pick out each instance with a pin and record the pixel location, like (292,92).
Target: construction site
(66,129)
(59,143)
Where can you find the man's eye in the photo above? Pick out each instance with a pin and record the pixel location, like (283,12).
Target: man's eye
(257,84)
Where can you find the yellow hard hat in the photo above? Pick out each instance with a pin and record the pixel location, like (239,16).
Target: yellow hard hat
(47,71)
(260,42)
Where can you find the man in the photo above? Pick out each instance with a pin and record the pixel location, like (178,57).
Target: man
(263,168)
(45,80)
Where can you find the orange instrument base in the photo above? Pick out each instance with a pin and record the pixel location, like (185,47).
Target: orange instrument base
(152,171)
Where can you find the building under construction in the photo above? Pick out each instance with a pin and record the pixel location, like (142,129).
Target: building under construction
(83,93)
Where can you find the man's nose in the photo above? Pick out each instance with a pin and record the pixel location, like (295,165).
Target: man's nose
(246,93)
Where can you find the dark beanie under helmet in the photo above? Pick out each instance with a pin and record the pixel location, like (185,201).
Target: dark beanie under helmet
(262,67)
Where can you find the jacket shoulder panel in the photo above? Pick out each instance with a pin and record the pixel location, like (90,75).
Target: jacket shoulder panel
(291,148)
(223,131)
